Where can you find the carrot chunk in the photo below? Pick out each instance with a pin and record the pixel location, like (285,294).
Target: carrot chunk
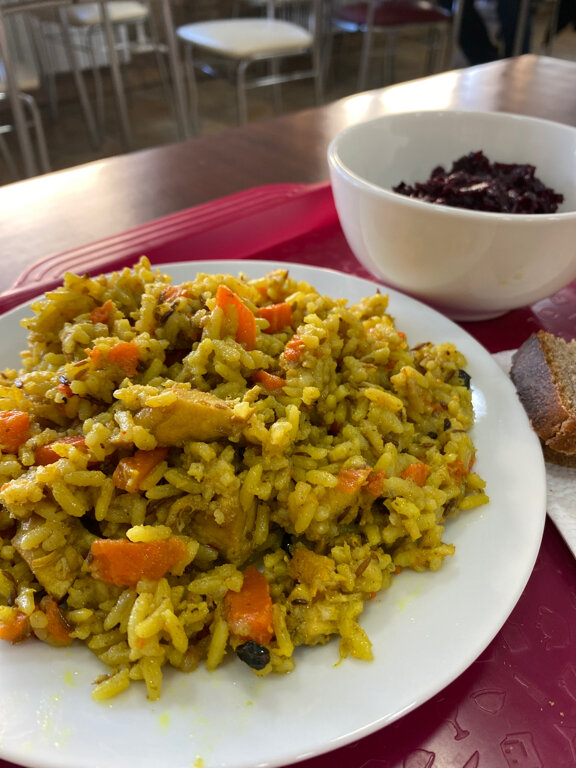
(14,430)
(269,381)
(45,454)
(248,612)
(57,630)
(17,628)
(294,349)
(102,313)
(131,471)
(125,355)
(65,389)
(458,470)
(418,472)
(279,316)
(375,482)
(239,320)
(124,563)
(172,292)
(352,479)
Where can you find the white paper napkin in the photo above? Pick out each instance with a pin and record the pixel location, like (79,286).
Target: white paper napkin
(561,483)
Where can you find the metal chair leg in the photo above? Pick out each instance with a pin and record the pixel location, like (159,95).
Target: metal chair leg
(390,57)
(521,24)
(367,43)
(320,66)
(90,47)
(193,109)
(8,159)
(437,50)
(241,101)
(119,95)
(185,130)
(47,69)
(78,80)
(552,28)
(41,154)
(276,87)
(43,160)
(17,107)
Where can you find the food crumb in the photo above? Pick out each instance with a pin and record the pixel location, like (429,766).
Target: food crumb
(70,677)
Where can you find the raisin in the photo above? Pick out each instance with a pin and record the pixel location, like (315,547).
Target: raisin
(253,654)
(466,378)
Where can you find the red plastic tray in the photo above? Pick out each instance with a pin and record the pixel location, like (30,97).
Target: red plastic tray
(282,222)
(516,704)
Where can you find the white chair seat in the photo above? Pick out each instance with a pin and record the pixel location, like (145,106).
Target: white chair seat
(244,38)
(120,11)
(26,77)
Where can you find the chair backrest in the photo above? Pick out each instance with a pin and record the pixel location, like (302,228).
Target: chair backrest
(15,20)
(306,13)
(368,11)
(298,11)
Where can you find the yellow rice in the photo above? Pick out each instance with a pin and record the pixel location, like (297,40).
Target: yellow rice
(357,401)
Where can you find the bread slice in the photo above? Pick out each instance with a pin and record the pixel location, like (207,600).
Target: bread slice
(544,373)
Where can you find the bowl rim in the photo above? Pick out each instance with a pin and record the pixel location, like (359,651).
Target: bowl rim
(336,164)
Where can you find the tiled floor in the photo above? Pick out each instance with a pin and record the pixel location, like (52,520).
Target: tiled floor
(152,121)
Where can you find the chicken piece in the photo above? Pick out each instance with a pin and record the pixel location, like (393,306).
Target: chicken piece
(57,561)
(314,623)
(223,525)
(315,571)
(193,415)
(8,589)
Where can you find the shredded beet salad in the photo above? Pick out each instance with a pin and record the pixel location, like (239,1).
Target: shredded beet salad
(475,183)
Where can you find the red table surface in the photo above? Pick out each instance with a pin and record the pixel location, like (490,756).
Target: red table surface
(516,704)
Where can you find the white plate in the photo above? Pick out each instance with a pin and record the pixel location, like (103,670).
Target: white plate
(426,629)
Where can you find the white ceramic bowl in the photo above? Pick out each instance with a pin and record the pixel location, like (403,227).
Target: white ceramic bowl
(469,264)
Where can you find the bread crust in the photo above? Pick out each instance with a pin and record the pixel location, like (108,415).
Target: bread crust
(555,457)
(538,369)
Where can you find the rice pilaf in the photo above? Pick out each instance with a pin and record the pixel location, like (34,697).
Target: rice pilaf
(227,464)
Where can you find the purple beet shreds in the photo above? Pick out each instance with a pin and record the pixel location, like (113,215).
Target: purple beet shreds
(475,183)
